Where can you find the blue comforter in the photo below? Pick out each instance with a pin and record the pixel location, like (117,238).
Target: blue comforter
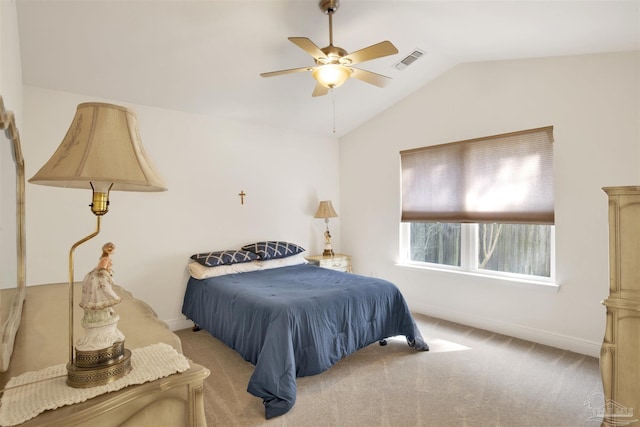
(296,321)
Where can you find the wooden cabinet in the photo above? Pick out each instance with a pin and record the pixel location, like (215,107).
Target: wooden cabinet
(620,353)
(339,262)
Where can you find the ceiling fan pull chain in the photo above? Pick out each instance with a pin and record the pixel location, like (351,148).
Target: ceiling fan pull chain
(333,102)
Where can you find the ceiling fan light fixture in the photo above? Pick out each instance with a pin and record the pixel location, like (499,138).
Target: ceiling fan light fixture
(333,63)
(332,75)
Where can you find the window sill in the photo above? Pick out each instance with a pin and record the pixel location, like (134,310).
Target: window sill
(542,285)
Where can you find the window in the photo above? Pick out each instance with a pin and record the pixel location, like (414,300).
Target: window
(482,205)
(512,249)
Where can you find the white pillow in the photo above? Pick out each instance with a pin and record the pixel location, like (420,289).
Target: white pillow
(199,271)
(281,262)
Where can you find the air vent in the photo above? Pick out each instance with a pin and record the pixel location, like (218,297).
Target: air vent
(409,59)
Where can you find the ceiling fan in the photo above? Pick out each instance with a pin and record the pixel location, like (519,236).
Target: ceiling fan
(333,63)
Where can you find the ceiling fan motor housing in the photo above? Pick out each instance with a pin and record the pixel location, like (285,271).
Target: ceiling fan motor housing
(334,54)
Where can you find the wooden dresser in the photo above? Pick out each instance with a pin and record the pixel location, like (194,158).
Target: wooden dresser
(42,341)
(620,354)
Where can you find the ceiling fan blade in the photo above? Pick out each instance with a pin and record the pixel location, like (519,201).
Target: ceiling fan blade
(320,90)
(308,46)
(377,50)
(370,77)
(289,71)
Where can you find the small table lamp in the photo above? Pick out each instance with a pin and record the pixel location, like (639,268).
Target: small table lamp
(326,211)
(101,151)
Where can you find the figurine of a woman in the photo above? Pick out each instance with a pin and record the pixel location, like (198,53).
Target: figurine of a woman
(100,321)
(97,288)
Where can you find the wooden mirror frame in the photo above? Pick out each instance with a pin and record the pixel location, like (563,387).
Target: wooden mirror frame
(11,320)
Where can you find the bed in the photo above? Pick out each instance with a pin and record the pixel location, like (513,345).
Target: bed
(296,320)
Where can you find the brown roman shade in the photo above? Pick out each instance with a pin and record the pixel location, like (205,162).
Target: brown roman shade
(502,178)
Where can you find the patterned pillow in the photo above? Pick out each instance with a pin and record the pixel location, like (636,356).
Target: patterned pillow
(273,249)
(228,257)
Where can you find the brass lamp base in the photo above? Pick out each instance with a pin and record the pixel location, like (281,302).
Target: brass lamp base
(99,367)
(328,252)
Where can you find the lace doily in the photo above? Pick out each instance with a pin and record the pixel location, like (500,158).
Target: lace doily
(31,393)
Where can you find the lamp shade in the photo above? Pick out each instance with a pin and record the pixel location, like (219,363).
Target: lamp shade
(331,75)
(101,146)
(325,210)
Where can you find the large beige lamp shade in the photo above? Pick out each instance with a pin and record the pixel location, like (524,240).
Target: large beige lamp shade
(101,145)
(101,151)
(326,211)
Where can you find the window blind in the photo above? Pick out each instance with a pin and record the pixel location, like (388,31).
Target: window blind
(502,178)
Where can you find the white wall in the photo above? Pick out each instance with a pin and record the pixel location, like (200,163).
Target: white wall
(10,63)
(11,91)
(205,162)
(593,104)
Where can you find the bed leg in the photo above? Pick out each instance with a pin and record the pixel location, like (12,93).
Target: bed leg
(382,342)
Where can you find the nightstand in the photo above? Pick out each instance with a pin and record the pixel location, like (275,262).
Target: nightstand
(339,262)
(175,400)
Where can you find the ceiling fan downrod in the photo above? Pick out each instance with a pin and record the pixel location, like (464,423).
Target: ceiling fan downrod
(330,7)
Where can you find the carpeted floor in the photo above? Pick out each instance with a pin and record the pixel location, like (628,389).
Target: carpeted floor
(470,377)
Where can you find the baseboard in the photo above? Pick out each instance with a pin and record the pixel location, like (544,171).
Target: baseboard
(179,324)
(565,342)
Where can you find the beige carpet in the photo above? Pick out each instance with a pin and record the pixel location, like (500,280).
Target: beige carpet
(470,377)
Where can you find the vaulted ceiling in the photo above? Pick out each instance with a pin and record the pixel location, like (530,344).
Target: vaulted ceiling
(206,56)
